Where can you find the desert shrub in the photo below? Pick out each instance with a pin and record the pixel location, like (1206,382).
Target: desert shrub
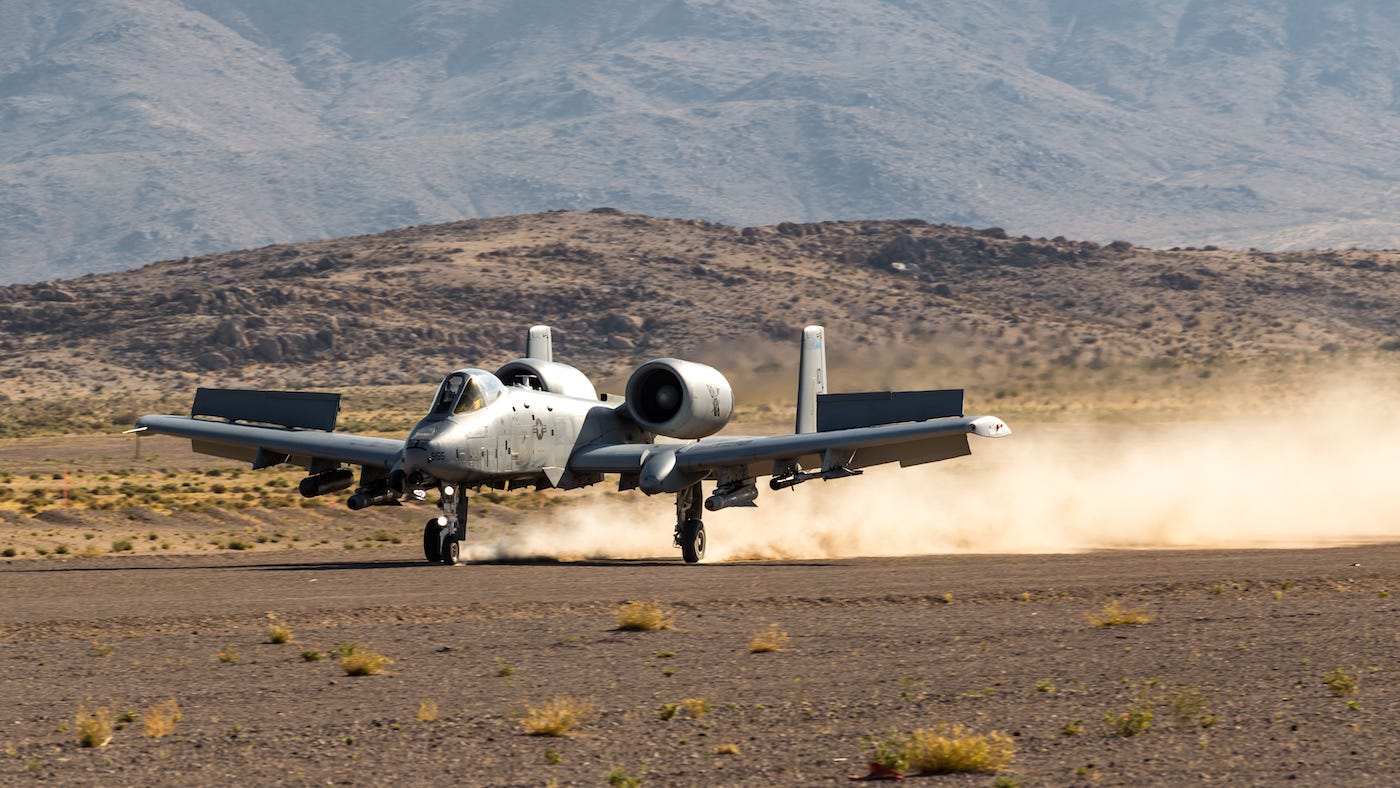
(943,749)
(1188,704)
(1341,683)
(1136,720)
(696,707)
(94,729)
(770,639)
(356,661)
(556,717)
(277,632)
(619,778)
(1114,614)
(642,616)
(159,720)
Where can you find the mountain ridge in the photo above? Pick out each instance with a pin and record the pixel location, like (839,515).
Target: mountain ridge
(403,306)
(136,131)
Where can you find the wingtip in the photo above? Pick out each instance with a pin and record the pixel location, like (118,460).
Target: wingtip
(990,427)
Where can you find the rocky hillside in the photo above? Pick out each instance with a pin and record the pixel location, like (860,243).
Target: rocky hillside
(403,306)
(131,132)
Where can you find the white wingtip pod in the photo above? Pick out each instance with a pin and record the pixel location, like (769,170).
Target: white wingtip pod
(990,427)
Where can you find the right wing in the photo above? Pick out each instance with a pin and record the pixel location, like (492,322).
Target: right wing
(296,427)
(666,467)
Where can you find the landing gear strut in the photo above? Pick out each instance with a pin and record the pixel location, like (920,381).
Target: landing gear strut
(443,535)
(690,529)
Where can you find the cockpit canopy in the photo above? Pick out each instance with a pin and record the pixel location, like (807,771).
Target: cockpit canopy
(466,390)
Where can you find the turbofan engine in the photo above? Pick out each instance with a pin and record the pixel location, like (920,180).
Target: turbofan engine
(679,399)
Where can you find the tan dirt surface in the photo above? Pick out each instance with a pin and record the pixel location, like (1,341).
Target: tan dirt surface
(1239,643)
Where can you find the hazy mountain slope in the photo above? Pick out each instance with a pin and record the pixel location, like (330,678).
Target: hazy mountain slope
(141,129)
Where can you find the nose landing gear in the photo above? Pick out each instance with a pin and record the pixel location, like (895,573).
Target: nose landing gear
(443,535)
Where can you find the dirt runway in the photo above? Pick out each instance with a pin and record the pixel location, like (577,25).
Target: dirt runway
(1232,665)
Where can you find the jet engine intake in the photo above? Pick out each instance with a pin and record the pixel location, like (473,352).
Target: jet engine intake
(679,399)
(324,483)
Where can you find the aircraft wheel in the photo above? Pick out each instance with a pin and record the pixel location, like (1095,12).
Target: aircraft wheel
(451,549)
(432,541)
(693,540)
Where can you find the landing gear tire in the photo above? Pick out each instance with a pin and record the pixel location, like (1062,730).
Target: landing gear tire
(451,548)
(432,541)
(692,539)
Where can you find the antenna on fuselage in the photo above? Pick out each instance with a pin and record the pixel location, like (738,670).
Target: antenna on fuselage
(538,345)
(811,377)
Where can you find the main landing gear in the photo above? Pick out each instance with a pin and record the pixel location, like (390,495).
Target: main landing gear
(690,529)
(443,535)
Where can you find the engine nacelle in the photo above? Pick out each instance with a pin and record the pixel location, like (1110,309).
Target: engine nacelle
(679,399)
(548,376)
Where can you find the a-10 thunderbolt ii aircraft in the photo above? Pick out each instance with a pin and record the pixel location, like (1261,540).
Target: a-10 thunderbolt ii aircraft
(538,423)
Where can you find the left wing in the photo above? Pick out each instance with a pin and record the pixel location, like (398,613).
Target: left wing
(672,467)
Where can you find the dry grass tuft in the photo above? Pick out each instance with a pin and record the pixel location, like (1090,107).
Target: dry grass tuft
(427,710)
(1114,614)
(159,720)
(555,717)
(94,728)
(643,616)
(944,749)
(1136,720)
(727,749)
(770,639)
(1341,683)
(277,632)
(357,661)
(695,707)
(1189,704)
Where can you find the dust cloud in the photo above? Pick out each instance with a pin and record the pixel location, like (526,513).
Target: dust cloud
(1317,475)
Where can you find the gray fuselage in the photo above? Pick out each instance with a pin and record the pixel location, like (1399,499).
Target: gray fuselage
(520,435)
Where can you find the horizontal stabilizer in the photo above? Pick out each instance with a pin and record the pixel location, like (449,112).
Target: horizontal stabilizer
(293,409)
(873,408)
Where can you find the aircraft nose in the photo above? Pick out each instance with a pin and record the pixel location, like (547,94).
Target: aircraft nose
(423,449)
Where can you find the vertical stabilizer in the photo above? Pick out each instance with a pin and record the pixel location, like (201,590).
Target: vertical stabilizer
(538,345)
(811,377)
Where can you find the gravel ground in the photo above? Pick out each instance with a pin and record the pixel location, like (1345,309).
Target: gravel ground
(1232,667)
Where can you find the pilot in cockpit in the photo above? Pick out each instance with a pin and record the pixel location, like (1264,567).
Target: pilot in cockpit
(472,398)
(450,387)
